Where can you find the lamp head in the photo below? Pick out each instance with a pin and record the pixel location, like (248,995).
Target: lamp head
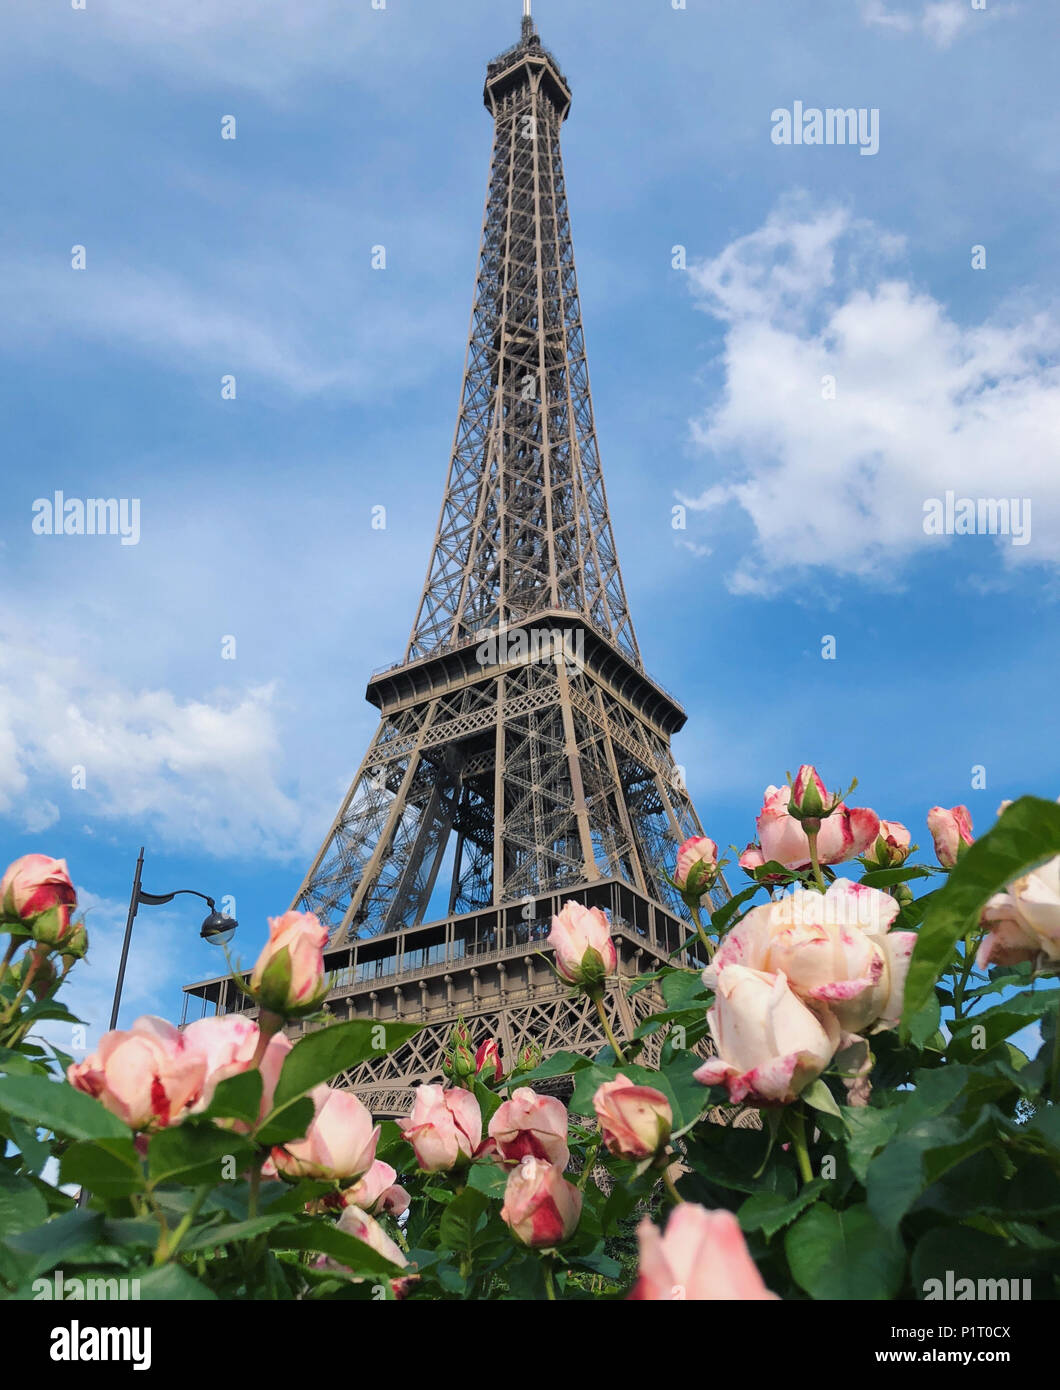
(218,929)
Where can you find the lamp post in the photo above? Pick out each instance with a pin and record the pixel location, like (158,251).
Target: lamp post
(216,928)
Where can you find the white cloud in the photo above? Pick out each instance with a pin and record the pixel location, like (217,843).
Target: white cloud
(942,21)
(923,404)
(202,772)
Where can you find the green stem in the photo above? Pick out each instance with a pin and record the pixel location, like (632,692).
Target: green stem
(173,1244)
(590,1160)
(598,999)
(815,864)
(708,945)
(797,1126)
(255,1188)
(550,1287)
(671,1189)
(12,947)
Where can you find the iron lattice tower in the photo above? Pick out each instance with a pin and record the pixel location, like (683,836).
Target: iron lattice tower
(521,746)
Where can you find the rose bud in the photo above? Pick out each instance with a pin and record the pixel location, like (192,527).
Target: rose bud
(581,939)
(952,831)
(444,1129)
(339,1143)
(529,1058)
(288,978)
(36,885)
(531,1124)
(703,1256)
(892,846)
(635,1121)
(488,1062)
(377,1191)
(357,1223)
(540,1207)
(74,945)
(809,798)
(770,1045)
(149,1076)
(844,834)
(697,868)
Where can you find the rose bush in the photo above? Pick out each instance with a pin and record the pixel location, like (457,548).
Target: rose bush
(834,1107)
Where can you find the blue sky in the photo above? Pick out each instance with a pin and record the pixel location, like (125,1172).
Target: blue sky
(359,126)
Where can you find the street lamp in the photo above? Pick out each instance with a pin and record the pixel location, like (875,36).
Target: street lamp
(216,928)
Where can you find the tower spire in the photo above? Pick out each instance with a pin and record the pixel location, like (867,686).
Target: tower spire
(528,21)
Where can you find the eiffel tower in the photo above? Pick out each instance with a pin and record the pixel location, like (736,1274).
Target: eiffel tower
(523,754)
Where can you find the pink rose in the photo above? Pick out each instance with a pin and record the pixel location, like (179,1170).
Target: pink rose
(288,977)
(635,1121)
(340,1142)
(1024,921)
(540,1207)
(950,830)
(703,1256)
(770,1045)
(444,1129)
(34,885)
(149,1076)
(834,949)
(531,1124)
(357,1223)
(844,834)
(377,1191)
(891,849)
(488,1061)
(229,1044)
(581,939)
(697,867)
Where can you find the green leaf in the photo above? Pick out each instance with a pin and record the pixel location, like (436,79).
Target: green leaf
(462,1220)
(844,1255)
(868,1130)
(55,1105)
(321,1056)
(820,1097)
(683,988)
(110,1167)
(1026,835)
(171,1283)
(917,1158)
(21,1206)
(325,1238)
(559,1064)
(190,1155)
(76,1233)
(487,1177)
(34,1154)
(887,878)
(769,1212)
(237,1098)
(289,1123)
(230,1232)
(720,919)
